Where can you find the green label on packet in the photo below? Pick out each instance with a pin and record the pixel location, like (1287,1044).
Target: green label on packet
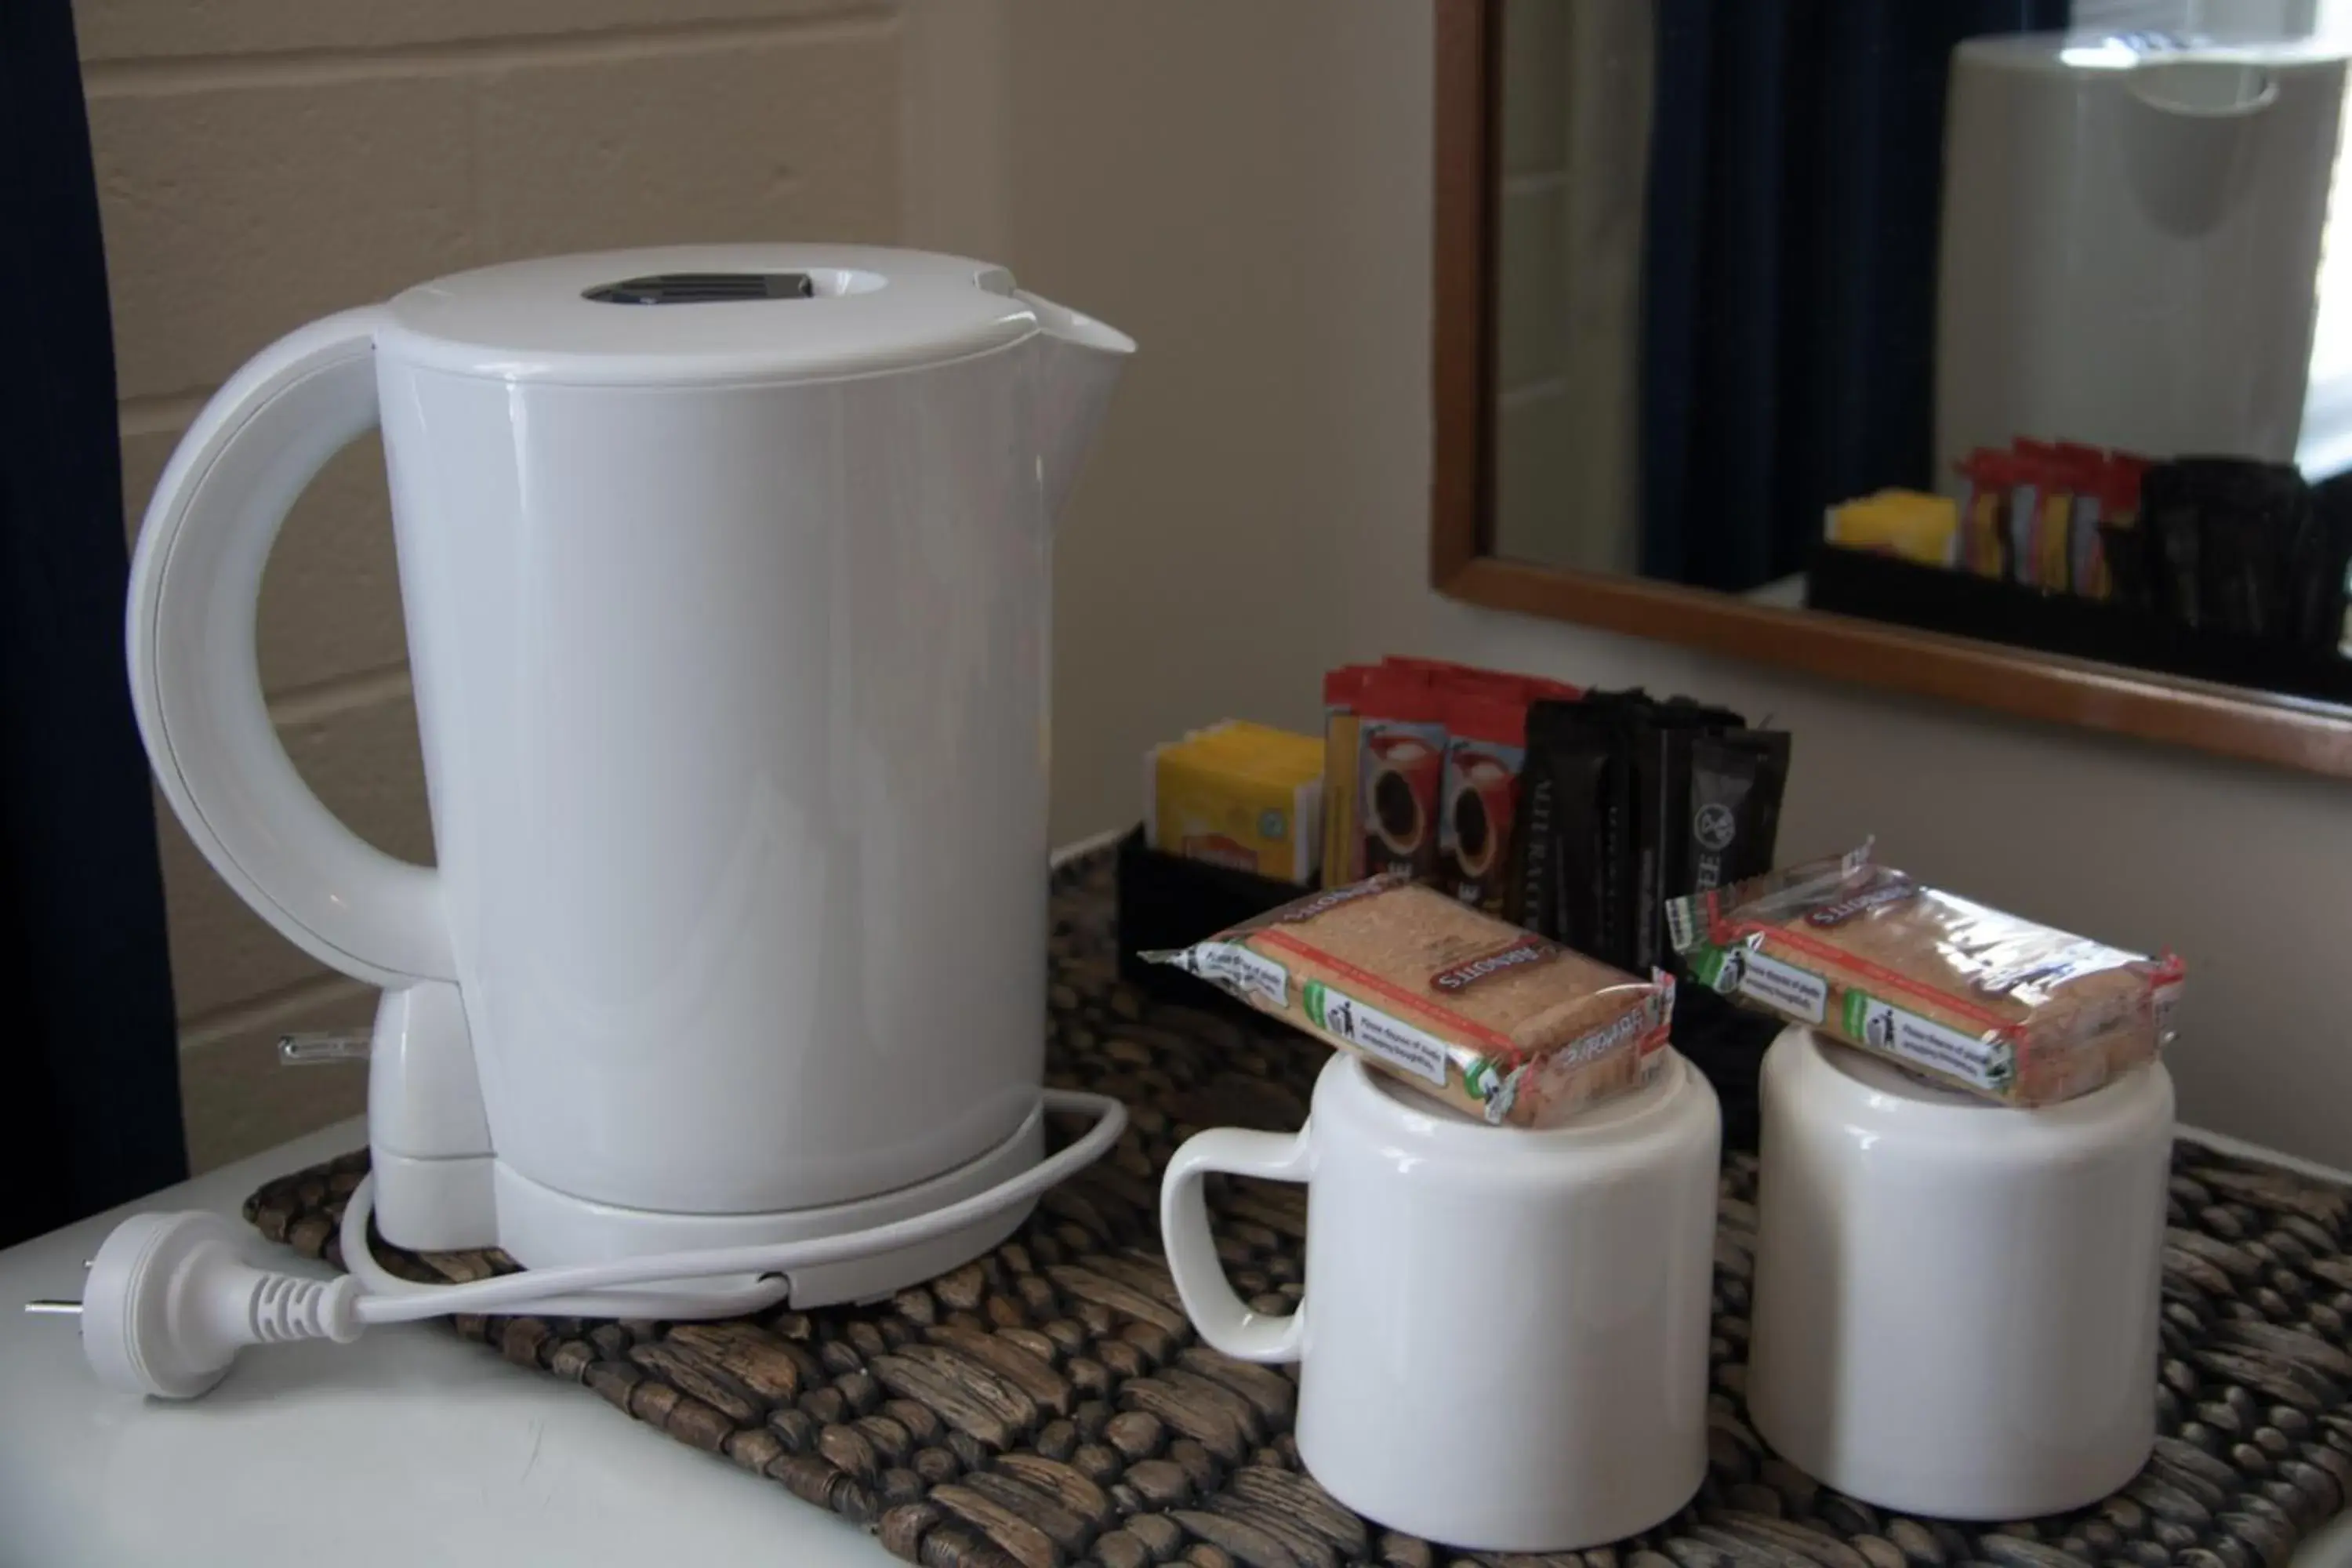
(1855,1013)
(1987,1063)
(1742,971)
(1312,999)
(1375,1032)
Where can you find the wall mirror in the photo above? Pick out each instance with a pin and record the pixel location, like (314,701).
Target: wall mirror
(1995,350)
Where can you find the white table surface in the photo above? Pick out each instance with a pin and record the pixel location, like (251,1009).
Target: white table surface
(409,1446)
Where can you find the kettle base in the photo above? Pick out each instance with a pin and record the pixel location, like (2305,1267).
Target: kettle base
(541,1227)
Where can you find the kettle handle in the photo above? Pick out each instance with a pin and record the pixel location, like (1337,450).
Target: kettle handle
(195,681)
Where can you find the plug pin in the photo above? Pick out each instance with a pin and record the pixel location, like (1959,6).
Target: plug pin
(309,1048)
(54,1309)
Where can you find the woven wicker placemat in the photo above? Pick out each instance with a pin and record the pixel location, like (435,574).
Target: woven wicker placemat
(1049,1403)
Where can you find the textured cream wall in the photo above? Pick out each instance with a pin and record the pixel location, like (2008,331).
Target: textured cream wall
(261,162)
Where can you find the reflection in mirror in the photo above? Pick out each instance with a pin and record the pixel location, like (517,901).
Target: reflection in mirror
(2017,261)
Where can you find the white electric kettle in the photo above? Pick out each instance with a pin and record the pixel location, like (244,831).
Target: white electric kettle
(726,573)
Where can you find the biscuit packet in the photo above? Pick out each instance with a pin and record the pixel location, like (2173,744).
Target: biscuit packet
(2021,1013)
(1494,1021)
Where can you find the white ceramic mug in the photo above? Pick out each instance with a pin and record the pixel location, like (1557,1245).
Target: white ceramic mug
(1503,1339)
(1956,1302)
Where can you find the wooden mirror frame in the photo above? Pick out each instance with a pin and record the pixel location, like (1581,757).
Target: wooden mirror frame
(2296,733)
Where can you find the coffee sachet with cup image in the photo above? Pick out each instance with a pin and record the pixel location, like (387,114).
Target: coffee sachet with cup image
(1494,1021)
(1401,756)
(1485,742)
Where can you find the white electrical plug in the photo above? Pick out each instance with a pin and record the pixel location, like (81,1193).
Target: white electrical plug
(171,1299)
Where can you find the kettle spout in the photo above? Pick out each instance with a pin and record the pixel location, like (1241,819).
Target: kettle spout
(1081,359)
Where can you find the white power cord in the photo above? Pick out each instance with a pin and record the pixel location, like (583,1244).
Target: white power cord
(170,1299)
(714,1299)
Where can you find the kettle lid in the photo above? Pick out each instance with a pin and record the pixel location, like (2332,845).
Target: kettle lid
(707,313)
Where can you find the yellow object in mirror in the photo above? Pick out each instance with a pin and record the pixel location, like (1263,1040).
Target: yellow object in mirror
(1908,523)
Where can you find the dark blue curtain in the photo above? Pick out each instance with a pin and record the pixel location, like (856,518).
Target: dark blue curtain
(1789,305)
(89,1114)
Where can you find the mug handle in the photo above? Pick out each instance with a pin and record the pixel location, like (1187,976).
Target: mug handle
(1210,1300)
(195,684)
